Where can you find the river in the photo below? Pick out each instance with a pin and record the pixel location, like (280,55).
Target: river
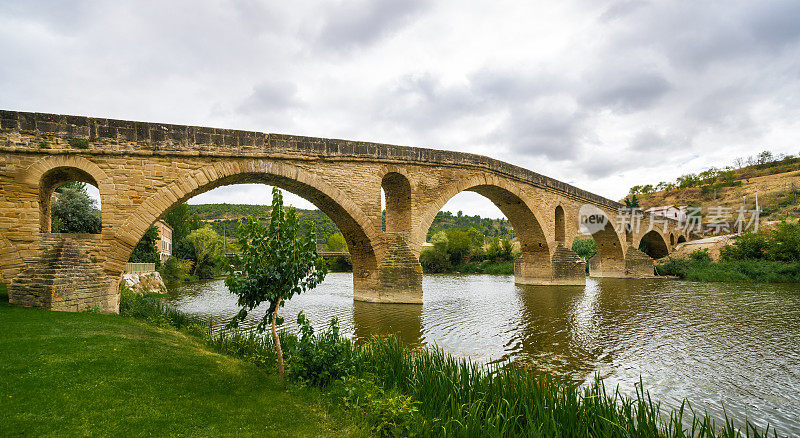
(716,344)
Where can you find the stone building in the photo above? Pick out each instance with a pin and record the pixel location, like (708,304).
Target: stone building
(164,240)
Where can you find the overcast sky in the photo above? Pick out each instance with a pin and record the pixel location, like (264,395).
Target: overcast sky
(603,95)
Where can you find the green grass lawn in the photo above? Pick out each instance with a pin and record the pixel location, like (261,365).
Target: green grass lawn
(93,374)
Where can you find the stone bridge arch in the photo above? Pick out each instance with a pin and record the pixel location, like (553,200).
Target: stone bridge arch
(655,243)
(543,259)
(143,169)
(46,174)
(610,258)
(364,243)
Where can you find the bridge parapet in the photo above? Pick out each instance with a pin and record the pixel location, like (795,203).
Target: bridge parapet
(129,136)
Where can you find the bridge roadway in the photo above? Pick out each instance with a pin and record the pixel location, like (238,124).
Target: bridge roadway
(142,170)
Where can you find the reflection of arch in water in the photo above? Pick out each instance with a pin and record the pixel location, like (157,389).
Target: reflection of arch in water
(401,320)
(547,330)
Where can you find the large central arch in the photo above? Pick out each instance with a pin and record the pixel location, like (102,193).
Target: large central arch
(359,233)
(534,263)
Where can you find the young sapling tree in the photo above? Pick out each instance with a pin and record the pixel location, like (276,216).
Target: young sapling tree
(277,262)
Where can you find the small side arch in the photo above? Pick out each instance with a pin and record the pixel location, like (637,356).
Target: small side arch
(654,244)
(50,172)
(397,190)
(560,226)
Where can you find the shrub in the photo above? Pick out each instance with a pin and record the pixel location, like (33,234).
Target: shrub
(79,143)
(751,246)
(434,261)
(700,256)
(388,413)
(339,264)
(151,307)
(585,248)
(781,244)
(320,359)
(175,270)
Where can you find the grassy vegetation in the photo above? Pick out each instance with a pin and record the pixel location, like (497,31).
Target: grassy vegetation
(397,391)
(93,374)
(770,256)
(699,267)
(112,375)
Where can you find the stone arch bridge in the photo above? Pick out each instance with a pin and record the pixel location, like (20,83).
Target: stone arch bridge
(142,170)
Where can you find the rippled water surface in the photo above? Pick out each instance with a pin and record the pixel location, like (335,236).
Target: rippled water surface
(736,345)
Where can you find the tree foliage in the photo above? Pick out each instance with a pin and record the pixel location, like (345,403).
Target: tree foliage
(74,211)
(780,245)
(146,251)
(454,248)
(207,245)
(585,248)
(336,242)
(277,262)
(182,222)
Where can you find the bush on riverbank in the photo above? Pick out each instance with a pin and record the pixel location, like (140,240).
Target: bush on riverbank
(464,251)
(771,256)
(699,267)
(402,392)
(486,267)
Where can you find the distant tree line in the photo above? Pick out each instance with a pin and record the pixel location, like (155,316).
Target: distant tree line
(445,221)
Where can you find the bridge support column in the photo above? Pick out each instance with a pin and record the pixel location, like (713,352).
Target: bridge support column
(636,264)
(66,276)
(564,267)
(400,274)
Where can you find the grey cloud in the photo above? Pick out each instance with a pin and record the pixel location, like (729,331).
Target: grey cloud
(625,90)
(357,23)
(603,165)
(650,141)
(697,35)
(270,96)
(505,86)
(423,102)
(621,9)
(776,24)
(550,134)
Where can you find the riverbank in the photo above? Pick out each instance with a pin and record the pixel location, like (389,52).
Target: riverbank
(753,271)
(486,267)
(160,372)
(94,374)
(397,391)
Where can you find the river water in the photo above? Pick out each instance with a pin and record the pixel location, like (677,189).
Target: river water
(716,344)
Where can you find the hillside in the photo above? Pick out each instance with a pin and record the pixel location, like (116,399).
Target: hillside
(224,220)
(777,183)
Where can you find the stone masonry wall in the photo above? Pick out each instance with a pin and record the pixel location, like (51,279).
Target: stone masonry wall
(142,170)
